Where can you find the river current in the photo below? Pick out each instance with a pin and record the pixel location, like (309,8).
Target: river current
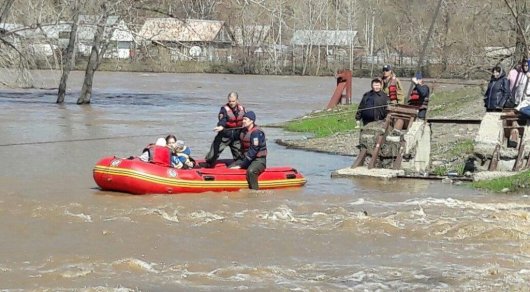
(59,232)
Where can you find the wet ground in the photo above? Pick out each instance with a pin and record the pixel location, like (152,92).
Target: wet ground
(60,232)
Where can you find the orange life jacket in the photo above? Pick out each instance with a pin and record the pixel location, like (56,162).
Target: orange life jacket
(245,142)
(234,121)
(160,155)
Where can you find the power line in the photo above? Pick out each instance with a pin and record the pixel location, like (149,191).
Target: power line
(75,140)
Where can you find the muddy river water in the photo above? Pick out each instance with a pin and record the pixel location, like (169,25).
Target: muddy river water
(58,231)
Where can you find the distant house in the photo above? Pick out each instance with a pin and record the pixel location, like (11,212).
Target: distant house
(188,39)
(116,31)
(46,39)
(10,32)
(336,42)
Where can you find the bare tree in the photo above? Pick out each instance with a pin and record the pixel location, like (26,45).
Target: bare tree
(4,10)
(519,11)
(199,9)
(96,55)
(69,56)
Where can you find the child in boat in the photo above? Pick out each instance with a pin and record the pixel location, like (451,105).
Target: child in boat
(180,157)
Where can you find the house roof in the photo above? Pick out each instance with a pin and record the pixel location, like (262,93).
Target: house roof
(7,27)
(324,37)
(250,35)
(87,28)
(50,31)
(93,20)
(190,30)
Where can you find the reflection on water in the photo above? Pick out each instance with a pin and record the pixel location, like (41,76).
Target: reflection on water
(61,233)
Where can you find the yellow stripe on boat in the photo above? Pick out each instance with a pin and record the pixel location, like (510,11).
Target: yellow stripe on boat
(177,182)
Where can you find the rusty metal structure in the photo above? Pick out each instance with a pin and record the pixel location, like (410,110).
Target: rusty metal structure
(394,141)
(342,93)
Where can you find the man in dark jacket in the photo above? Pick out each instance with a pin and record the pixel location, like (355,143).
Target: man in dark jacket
(419,96)
(254,149)
(373,104)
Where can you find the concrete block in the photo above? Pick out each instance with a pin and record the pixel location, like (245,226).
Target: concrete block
(364,171)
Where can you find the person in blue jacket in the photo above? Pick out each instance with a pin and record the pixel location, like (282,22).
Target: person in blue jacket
(254,150)
(419,97)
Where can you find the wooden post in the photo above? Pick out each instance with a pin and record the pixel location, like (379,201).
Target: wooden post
(494,159)
(519,160)
(399,158)
(360,158)
(375,153)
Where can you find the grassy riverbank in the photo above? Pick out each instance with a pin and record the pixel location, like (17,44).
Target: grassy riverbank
(325,123)
(460,103)
(451,145)
(515,183)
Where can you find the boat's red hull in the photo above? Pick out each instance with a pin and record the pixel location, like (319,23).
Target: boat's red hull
(138,177)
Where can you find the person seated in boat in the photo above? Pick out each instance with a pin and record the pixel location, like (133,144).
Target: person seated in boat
(180,153)
(254,150)
(157,153)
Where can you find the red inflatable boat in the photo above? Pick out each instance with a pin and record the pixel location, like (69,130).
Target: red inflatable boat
(137,177)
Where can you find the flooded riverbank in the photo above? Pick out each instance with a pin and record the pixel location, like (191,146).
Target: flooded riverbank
(60,232)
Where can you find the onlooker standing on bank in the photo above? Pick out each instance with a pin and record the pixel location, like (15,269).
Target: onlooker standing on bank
(419,96)
(392,86)
(373,104)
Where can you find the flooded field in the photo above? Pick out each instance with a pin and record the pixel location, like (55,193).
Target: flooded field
(60,232)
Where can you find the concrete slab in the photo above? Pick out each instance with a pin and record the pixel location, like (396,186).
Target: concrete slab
(364,171)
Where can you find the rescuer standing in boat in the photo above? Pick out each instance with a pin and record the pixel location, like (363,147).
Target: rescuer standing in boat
(228,129)
(392,86)
(254,150)
(419,96)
